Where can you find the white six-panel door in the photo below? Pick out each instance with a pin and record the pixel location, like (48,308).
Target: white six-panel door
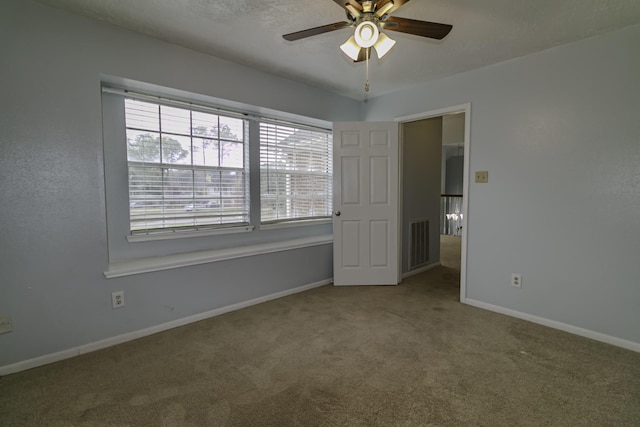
(365,220)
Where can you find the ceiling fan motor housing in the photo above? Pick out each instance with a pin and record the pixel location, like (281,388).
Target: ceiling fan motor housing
(367,6)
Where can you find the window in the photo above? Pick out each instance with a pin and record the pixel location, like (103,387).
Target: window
(182,178)
(295,172)
(187,166)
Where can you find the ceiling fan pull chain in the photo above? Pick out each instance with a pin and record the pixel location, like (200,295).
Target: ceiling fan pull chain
(366,84)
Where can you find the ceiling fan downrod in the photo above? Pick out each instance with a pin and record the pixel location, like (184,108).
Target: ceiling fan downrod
(366,83)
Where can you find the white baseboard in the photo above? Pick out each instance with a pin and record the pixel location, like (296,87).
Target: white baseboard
(420,270)
(597,336)
(129,336)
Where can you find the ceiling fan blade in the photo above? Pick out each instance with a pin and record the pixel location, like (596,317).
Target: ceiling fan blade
(315,31)
(396,4)
(432,30)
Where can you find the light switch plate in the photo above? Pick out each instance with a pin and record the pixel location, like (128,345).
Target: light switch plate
(482,176)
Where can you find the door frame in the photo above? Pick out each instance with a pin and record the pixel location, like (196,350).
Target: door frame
(462,108)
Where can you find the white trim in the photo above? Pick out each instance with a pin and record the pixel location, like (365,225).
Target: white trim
(466,109)
(295,223)
(462,108)
(146,265)
(597,336)
(466,172)
(119,339)
(421,270)
(400,197)
(181,234)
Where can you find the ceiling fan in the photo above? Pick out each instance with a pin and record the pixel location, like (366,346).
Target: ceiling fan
(369,18)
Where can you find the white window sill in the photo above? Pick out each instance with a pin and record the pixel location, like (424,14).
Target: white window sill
(132,238)
(147,265)
(291,224)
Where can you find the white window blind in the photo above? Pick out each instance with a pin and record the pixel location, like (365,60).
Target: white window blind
(295,172)
(188,167)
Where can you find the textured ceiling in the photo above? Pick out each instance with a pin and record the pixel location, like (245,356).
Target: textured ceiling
(250,32)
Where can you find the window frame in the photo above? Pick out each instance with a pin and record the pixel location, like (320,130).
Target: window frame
(135,253)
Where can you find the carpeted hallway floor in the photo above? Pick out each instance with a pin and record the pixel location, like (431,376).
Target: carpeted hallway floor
(409,355)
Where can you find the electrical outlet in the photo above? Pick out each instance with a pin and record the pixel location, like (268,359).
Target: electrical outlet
(482,176)
(516,280)
(117,299)
(5,324)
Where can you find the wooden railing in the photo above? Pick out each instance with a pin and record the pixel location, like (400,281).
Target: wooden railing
(451,214)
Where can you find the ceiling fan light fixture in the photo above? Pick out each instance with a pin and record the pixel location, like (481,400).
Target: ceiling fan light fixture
(383,45)
(351,48)
(366,34)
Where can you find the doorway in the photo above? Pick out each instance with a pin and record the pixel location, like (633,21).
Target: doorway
(453,125)
(451,189)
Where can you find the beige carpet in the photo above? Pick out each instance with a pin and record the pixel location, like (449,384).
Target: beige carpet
(410,355)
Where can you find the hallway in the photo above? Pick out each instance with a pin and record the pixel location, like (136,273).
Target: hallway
(450,247)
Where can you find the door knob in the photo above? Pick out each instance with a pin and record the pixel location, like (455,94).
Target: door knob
(337,213)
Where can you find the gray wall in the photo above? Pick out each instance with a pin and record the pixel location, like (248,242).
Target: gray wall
(453,129)
(454,175)
(53,235)
(421,154)
(453,144)
(559,133)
